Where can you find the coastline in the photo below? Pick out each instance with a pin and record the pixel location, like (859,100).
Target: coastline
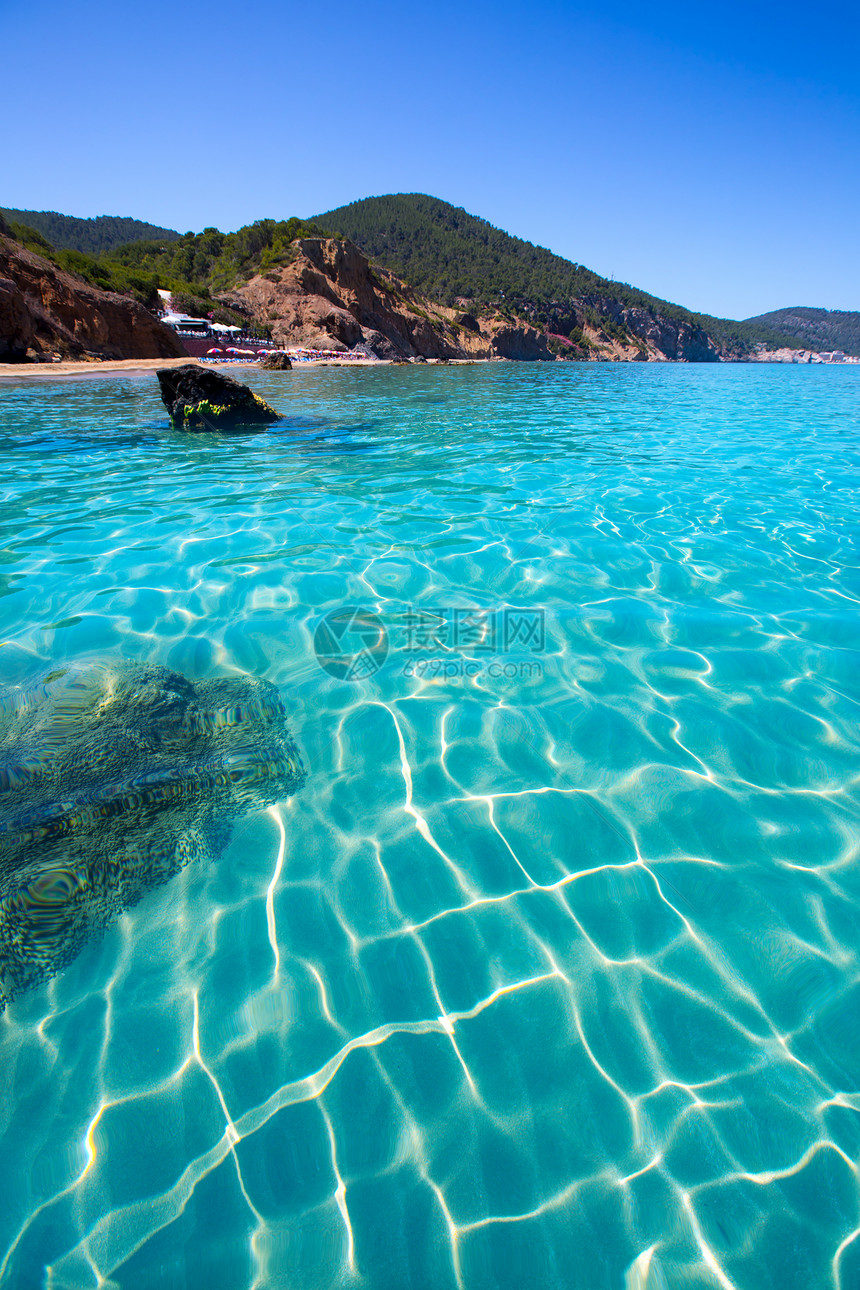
(110,366)
(132,366)
(86,367)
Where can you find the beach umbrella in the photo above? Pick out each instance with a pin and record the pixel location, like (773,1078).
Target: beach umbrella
(263,351)
(231,349)
(214,351)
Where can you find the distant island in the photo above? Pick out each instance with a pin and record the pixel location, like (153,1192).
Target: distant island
(398,276)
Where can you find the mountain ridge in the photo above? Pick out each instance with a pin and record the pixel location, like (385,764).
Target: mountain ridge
(428,259)
(93,236)
(816,329)
(447,253)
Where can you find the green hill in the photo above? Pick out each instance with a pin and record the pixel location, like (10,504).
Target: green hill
(817,329)
(440,250)
(446,253)
(194,266)
(212,260)
(450,255)
(90,236)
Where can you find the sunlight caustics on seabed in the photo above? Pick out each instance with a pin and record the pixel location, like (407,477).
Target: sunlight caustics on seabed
(548,975)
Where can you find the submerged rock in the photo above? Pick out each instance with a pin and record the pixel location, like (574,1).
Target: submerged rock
(199,398)
(111,780)
(276,362)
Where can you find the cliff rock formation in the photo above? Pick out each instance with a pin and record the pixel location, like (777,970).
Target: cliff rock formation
(44,311)
(523,343)
(664,338)
(330,297)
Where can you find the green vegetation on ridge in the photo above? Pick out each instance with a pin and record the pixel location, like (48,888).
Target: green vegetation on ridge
(438,249)
(194,266)
(211,261)
(99,273)
(816,329)
(89,236)
(450,255)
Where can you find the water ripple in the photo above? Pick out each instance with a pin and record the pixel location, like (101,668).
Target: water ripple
(549,977)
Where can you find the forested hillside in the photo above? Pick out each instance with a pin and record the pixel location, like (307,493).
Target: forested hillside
(817,329)
(98,272)
(90,236)
(442,252)
(195,267)
(450,255)
(215,261)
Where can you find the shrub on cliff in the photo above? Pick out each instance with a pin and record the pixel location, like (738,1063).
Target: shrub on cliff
(98,273)
(214,260)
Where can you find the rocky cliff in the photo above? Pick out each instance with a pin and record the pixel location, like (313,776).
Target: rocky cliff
(330,297)
(44,311)
(327,295)
(455,258)
(665,338)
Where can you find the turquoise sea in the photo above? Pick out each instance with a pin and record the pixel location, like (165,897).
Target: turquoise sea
(549,975)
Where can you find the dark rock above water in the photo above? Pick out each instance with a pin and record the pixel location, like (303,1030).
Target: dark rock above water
(276,362)
(199,398)
(112,779)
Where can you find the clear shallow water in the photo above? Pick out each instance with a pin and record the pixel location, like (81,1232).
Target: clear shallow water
(549,975)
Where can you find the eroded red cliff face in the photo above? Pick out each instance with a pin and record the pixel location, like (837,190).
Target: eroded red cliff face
(329,297)
(44,311)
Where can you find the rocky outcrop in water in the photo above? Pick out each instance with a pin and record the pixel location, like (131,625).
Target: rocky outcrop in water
(44,311)
(276,362)
(112,779)
(199,398)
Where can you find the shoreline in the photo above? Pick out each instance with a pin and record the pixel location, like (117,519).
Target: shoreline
(110,366)
(72,369)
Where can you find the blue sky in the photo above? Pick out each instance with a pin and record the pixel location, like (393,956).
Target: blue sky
(708,154)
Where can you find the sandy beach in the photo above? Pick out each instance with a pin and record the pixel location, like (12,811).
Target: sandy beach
(43,371)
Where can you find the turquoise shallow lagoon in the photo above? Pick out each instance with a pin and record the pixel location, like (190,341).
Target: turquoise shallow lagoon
(549,976)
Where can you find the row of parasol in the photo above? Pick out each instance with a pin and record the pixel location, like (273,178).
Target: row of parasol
(242,353)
